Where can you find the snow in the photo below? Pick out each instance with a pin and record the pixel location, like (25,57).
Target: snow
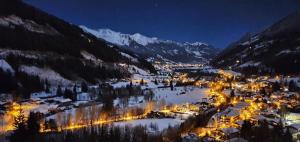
(12,20)
(245,43)
(249,63)
(119,38)
(86,55)
(109,35)
(27,54)
(198,44)
(180,95)
(236,140)
(84,97)
(5,66)
(135,70)
(129,57)
(44,108)
(284,52)
(125,39)
(45,74)
(143,40)
(197,53)
(120,84)
(35,96)
(230,130)
(132,101)
(209,69)
(161,123)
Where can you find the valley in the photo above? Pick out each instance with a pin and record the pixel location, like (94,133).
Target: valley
(65,82)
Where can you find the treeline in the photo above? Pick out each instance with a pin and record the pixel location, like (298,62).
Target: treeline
(30,131)
(105,133)
(70,68)
(20,84)
(26,130)
(108,94)
(60,37)
(264,133)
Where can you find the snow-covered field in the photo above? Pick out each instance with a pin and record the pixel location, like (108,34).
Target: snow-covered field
(180,95)
(160,123)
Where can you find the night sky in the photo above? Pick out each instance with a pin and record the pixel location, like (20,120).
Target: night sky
(217,22)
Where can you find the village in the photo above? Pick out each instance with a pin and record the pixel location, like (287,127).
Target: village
(227,99)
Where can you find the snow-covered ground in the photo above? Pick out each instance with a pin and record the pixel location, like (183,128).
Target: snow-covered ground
(180,95)
(45,74)
(160,123)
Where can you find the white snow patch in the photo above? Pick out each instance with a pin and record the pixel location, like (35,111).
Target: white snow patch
(129,57)
(249,63)
(284,52)
(143,40)
(109,35)
(29,25)
(86,55)
(45,73)
(5,66)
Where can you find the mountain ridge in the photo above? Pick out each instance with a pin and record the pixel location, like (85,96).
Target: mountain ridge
(273,50)
(165,50)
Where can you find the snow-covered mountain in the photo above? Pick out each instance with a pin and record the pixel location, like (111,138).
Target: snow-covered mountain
(154,49)
(48,49)
(275,49)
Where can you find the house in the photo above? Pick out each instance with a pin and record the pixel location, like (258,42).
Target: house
(230,132)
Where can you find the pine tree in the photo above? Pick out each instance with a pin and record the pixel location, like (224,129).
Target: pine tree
(52,125)
(20,132)
(33,125)
(288,136)
(75,89)
(171,85)
(276,87)
(70,95)
(47,89)
(155,82)
(246,129)
(126,134)
(59,91)
(84,87)
(232,94)
(292,86)
(142,82)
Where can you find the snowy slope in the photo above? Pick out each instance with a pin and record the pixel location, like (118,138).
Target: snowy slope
(45,74)
(157,49)
(275,49)
(5,66)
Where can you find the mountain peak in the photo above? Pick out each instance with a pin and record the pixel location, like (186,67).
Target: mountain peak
(125,39)
(143,40)
(198,44)
(109,35)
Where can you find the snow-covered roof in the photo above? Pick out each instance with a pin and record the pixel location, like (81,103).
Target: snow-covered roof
(230,130)
(236,140)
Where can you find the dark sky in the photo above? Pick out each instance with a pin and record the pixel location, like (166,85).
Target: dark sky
(217,22)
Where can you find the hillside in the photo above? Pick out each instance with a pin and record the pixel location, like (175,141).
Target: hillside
(274,50)
(41,48)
